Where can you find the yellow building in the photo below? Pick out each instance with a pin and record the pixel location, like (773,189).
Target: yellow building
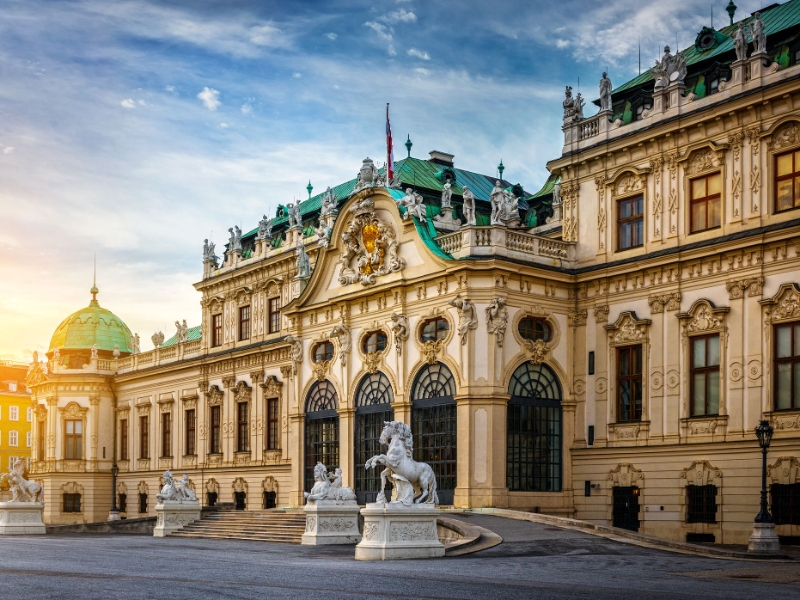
(15,415)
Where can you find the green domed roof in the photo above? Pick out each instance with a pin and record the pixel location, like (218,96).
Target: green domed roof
(92,325)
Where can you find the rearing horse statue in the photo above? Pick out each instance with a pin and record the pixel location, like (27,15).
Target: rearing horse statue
(411,478)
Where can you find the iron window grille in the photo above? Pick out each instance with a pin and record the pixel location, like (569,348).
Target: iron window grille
(270,499)
(72,503)
(216,424)
(123,503)
(705,379)
(244,322)
(785,500)
(705,206)
(321,429)
(787,181)
(373,407)
(701,504)
(216,330)
(629,383)
(534,328)
(630,223)
(787,366)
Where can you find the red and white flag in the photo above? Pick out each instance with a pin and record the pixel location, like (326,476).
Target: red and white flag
(389,149)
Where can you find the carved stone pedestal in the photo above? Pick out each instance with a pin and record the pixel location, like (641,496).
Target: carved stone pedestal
(330,523)
(298,285)
(21,518)
(445,221)
(764,539)
(173,515)
(394,531)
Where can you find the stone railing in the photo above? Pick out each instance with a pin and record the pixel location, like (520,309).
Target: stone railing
(588,128)
(500,241)
(159,356)
(105,365)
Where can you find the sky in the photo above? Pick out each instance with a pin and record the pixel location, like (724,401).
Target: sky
(133,130)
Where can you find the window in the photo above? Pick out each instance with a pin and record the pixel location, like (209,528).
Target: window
(373,399)
(216,415)
(30,414)
(211,498)
(244,322)
(705,375)
(13,438)
(706,204)
(191,427)
(321,429)
(787,181)
(701,504)
(144,437)
(274,315)
(787,366)
(13,413)
(72,503)
(270,499)
(142,503)
(216,330)
(435,329)
(629,383)
(166,434)
(29,439)
(73,440)
(272,423)
(12,386)
(243,433)
(374,341)
(534,328)
(630,223)
(123,439)
(323,351)
(785,503)
(40,452)
(122,504)
(11,461)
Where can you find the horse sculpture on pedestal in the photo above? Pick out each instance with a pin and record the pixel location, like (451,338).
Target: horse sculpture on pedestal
(23,490)
(411,479)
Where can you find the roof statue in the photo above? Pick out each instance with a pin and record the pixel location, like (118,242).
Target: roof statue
(116,352)
(368,176)
(295,220)
(758,34)
(235,242)
(505,207)
(157,339)
(447,195)
(182,334)
(323,231)
(137,347)
(414,482)
(208,252)
(605,93)
(412,201)
(469,206)
(740,42)
(328,487)
(264,229)
(573,107)
(302,263)
(94,351)
(556,216)
(23,490)
(670,69)
(328,203)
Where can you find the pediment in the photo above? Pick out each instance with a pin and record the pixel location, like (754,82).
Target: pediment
(36,376)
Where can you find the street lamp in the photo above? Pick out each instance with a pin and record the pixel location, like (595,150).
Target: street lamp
(764,540)
(113,515)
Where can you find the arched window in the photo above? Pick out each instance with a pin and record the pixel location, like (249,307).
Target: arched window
(534,328)
(322,429)
(373,406)
(434,425)
(323,351)
(374,341)
(533,431)
(434,329)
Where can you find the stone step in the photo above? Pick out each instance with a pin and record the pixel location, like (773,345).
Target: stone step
(262,526)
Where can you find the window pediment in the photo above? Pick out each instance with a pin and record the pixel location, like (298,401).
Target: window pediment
(704,317)
(704,157)
(627,181)
(628,329)
(784,305)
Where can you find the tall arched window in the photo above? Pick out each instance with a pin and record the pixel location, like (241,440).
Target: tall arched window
(373,406)
(433,423)
(533,431)
(322,429)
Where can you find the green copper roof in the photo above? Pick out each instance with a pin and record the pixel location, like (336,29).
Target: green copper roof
(92,325)
(194,333)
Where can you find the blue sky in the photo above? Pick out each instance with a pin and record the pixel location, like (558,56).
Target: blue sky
(135,129)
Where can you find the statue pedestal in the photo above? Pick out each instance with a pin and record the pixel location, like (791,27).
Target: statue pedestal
(330,523)
(21,518)
(172,516)
(395,531)
(298,285)
(445,221)
(764,539)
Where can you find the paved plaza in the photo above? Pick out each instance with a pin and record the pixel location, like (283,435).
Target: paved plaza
(534,561)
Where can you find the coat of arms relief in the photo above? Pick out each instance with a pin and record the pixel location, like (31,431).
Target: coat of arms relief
(369,247)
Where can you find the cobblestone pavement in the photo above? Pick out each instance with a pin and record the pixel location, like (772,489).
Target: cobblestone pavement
(535,561)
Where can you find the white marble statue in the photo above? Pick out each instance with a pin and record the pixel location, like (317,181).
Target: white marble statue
(505,207)
(323,231)
(447,195)
(23,490)
(137,343)
(116,353)
(399,325)
(295,351)
(57,353)
(467,316)
(295,220)
(740,42)
(497,319)
(414,482)
(497,198)
(184,491)
(328,486)
(605,93)
(175,491)
(414,205)
(264,229)
(469,206)
(94,350)
(344,335)
(758,33)
(328,203)
(670,69)
(573,107)
(157,339)
(208,252)
(302,263)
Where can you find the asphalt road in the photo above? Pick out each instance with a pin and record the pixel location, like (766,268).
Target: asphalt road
(535,561)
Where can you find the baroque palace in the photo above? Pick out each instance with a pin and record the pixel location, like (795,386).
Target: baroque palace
(602,348)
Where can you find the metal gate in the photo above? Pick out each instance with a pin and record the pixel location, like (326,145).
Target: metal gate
(625,512)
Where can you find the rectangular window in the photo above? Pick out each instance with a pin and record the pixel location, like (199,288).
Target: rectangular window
(123,439)
(30,414)
(216,330)
(142,504)
(144,437)
(29,439)
(630,223)
(701,504)
(785,503)
(13,413)
(122,505)
(73,440)
(216,415)
(787,366)
(191,426)
(13,438)
(166,434)
(272,423)
(705,207)
(244,322)
(274,315)
(11,461)
(629,383)
(243,433)
(72,503)
(40,452)
(705,375)
(787,181)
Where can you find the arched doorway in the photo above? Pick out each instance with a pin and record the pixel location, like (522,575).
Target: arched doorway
(322,429)
(373,406)
(533,430)
(434,425)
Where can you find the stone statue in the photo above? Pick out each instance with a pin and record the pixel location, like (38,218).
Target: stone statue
(157,338)
(414,205)
(497,319)
(505,207)
(23,490)
(573,107)
(328,203)
(343,334)
(295,351)
(264,229)
(758,34)
(447,195)
(670,69)
(469,206)
(323,231)
(56,354)
(414,482)
(116,354)
(137,347)
(235,242)
(740,42)
(605,93)
(182,334)
(208,252)
(184,491)
(94,351)
(205,249)
(557,203)
(467,316)
(328,486)
(295,220)
(497,198)
(302,263)
(400,327)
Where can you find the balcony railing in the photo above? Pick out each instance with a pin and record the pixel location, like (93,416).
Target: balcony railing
(502,242)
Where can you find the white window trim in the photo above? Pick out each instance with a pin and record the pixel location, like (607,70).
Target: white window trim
(13,413)
(13,438)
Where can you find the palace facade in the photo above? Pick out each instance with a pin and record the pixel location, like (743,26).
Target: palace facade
(601,349)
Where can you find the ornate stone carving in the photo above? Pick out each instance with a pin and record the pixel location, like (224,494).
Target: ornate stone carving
(537,351)
(242,392)
(787,135)
(671,69)
(701,160)
(400,328)
(431,349)
(372,361)
(295,351)
(659,302)
(628,329)
(577,318)
(157,338)
(320,369)
(601,313)
(341,332)
(175,491)
(704,320)
(328,487)
(573,107)
(737,288)
(497,319)
(505,207)
(23,490)
(272,387)
(371,243)
(625,475)
(784,471)
(701,472)
(629,183)
(784,305)
(467,316)
(214,395)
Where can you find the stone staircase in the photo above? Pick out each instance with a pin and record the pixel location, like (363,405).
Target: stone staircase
(274,525)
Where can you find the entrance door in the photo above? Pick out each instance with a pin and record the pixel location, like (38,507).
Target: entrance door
(239,499)
(369,424)
(625,512)
(434,429)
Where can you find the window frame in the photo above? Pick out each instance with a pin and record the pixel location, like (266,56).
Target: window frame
(329,351)
(216,330)
(71,503)
(76,438)
(243,427)
(273,423)
(698,510)
(215,429)
(166,435)
(123,439)
(244,323)
(706,200)
(439,333)
(376,335)
(794,327)
(144,437)
(778,179)
(274,314)
(705,371)
(190,423)
(632,219)
(633,378)
(536,322)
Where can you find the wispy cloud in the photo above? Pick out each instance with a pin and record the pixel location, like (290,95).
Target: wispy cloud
(210,98)
(128,103)
(399,16)
(268,35)
(419,54)
(331,35)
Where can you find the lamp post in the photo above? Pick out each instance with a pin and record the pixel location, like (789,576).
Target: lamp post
(113,514)
(764,540)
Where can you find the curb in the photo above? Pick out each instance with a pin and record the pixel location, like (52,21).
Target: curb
(473,538)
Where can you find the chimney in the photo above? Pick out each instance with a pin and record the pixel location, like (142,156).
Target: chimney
(441,158)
